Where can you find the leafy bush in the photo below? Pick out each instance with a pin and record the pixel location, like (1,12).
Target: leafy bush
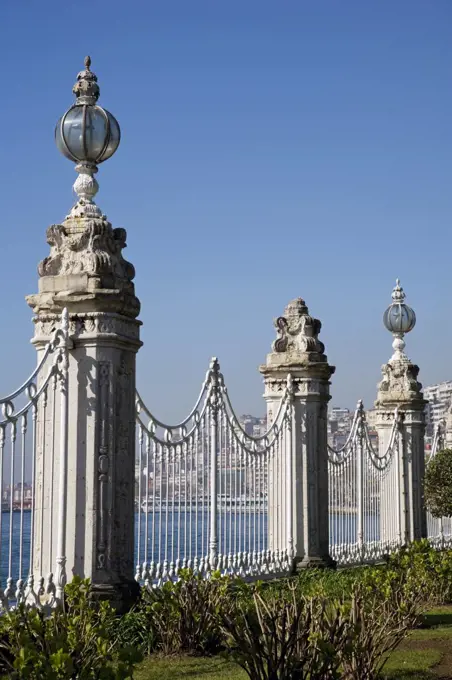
(180,617)
(425,568)
(285,636)
(137,629)
(288,635)
(438,484)
(385,606)
(72,643)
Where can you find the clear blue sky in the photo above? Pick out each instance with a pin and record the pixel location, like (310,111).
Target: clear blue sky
(270,150)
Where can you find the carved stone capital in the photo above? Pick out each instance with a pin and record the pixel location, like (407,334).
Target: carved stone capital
(399,386)
(85,269)
(303,387)
(89,328)
(297,349)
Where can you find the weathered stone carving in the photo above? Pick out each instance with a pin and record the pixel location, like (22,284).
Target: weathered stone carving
(103,462)
(85,266)
(399,382)
(298,331)
(82,325)
(88,246)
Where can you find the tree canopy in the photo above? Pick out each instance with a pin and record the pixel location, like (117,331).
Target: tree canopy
(438,484)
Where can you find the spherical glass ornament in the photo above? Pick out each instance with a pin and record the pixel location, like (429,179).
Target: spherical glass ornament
(87,134)
(399,317)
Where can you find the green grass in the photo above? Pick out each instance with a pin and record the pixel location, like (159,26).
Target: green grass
(401,665)
(406,663)
(189,668)
(438,633)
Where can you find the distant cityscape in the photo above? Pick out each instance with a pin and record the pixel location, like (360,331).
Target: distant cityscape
(17,497)
(439,401)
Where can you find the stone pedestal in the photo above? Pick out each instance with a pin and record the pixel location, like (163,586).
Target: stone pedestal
(298,352)
(86,273)
(402,516)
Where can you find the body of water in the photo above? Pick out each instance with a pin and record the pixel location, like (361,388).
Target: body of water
(171,539)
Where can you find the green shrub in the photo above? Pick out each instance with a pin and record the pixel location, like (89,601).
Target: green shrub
(137,629)
(427,568)
(180,617)
(438,484)
(285,636)
(385,606)
(71,643)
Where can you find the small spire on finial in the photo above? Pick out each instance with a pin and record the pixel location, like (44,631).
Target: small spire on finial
(86,89)
(398,294)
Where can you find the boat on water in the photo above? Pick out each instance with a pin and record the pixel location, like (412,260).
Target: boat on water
(200,504)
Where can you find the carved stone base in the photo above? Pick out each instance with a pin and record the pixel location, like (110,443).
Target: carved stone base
(121,596)
(325,562)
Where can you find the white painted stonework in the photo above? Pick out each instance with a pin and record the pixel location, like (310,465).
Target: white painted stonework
(298,352)
(399,389)
(86,273)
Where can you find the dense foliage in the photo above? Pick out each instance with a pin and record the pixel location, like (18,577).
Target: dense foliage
(438,484)
(76,642)
(179,617)
(288,635)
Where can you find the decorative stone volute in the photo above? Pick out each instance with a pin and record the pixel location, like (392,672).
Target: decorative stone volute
(85,265)
(399,384)
(297,344)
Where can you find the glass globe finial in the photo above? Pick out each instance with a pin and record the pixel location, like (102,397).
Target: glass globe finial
(87,135)
(399,319)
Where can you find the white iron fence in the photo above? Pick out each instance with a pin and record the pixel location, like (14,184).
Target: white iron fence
(364,495)
(209,496)
(203,490)
(25,437)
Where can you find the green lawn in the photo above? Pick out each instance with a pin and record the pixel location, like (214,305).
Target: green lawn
(191,668)
(425,655)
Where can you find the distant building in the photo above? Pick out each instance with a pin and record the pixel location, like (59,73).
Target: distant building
(253,426)
(439,399)
(339,414)
(339,424)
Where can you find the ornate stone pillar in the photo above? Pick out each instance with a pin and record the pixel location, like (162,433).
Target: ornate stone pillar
(86,273)
(402,514)
(297,352)
(447,439)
